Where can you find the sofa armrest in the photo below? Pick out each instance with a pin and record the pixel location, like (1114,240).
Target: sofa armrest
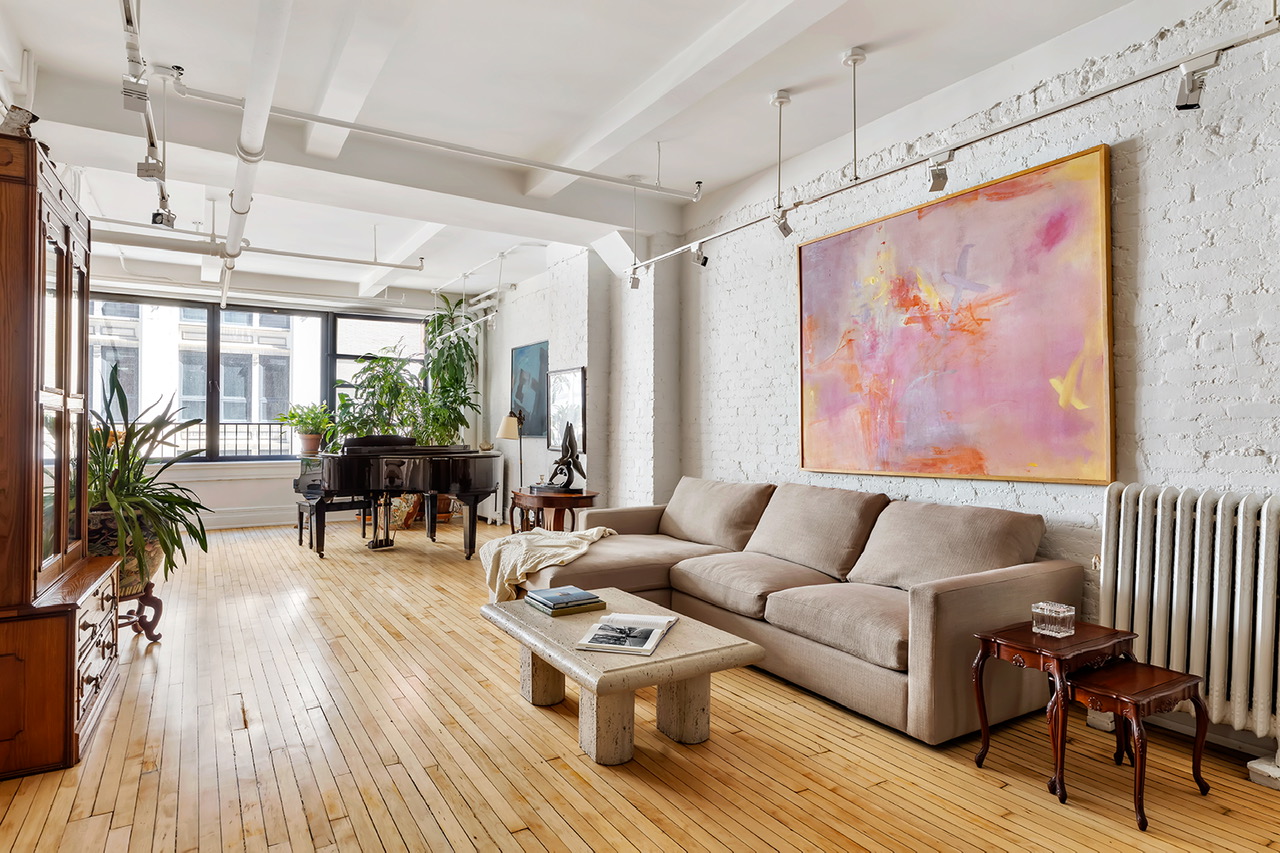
(627,519)
(945,614)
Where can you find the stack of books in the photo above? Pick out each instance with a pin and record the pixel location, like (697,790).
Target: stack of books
(563,600)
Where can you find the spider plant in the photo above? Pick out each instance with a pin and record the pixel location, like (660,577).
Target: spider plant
(124,479)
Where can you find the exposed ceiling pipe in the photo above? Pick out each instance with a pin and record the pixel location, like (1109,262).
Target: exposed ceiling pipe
(219,250)
(441,145)
(268,54)
(137,99)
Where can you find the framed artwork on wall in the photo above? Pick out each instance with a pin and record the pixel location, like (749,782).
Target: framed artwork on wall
(529,387)
(566,398)
(968,337)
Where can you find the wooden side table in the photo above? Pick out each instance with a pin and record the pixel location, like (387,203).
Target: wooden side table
(1131,691)
(532,507)
(1089,647)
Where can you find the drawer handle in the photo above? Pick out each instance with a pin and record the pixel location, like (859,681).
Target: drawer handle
(108,599)
(86,625)
(89,680)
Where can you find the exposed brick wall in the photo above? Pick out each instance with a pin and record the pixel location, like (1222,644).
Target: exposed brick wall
(1196,213)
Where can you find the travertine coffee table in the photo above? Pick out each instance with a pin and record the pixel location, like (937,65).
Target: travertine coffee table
(681,667)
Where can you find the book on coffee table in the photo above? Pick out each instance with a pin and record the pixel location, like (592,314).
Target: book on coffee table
(585,607)
(558,597)
(629,633)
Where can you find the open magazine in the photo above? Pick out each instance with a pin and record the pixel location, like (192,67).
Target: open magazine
(629,633)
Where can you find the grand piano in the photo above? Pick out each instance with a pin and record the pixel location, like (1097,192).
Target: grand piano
(379,468)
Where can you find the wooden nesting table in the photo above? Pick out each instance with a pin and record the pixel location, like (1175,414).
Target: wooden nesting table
(681,667)
(1090,646)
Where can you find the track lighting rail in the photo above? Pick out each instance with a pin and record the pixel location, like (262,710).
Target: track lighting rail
(1270,27)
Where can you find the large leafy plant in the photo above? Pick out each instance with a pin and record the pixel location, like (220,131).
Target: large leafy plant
(123,480)
(450,365)
(386,397)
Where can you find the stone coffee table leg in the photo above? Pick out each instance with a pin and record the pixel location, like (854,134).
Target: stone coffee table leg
(684,709)
(540,682)
(606,726)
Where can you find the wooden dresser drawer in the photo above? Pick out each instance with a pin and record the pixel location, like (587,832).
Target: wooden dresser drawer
(96,608)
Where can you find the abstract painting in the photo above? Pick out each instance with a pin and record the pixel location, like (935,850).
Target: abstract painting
(529,386)
(566,390)
(969,337)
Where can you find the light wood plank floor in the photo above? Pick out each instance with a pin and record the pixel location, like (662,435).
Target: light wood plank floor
(360,703)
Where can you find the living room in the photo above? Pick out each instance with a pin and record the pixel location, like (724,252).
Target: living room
(360,700)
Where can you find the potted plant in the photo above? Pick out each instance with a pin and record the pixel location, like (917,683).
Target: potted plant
(132,512)
(450,365)
(386,397)
(313,423)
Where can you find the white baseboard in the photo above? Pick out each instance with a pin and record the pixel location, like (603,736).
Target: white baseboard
(251,516)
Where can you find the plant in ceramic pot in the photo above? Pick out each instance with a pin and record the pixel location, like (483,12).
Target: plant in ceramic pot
(132,512)
(313,422)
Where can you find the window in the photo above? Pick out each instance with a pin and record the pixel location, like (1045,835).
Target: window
(357,336)
(193,387)
(118,309)
(235,369)
(273,382)
(237,386)
(104,356)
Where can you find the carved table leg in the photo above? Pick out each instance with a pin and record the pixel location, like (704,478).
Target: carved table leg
(1139,765)
(137,618)
(979,663)
(1202,728)
(540,682)
(1122,739)
(1057,712)
(606,726)
(684,709)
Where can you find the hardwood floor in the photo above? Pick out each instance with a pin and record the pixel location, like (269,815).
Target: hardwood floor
(359,702)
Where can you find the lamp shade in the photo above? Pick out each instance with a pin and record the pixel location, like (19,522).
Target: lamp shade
(510,428)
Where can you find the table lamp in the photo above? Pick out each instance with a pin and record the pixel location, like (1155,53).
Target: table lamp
(512,427)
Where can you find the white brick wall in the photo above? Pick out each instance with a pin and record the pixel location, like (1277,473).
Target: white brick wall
(1196,213)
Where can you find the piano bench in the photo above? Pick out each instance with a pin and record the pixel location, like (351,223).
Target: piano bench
(308,509)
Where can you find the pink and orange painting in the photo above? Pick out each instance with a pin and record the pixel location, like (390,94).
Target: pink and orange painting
(969,337)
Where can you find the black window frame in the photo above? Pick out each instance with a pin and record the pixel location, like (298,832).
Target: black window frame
(213,355)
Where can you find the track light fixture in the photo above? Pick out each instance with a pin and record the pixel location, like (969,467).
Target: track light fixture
(938,170)
(780,99)
(1192,82)
(698,256)
(780,222)
(634,280)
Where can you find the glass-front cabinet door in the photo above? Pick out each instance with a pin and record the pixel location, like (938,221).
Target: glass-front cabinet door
(61,414)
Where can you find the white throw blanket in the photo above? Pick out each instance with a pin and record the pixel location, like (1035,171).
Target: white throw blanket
(509,560)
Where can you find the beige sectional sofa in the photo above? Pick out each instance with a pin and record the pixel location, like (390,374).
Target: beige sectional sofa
(869,602)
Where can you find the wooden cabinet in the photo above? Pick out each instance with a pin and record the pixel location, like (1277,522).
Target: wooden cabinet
(58,648)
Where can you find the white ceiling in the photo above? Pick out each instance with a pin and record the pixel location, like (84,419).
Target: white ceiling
(583,83)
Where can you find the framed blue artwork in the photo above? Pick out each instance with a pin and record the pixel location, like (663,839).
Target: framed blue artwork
(529,387)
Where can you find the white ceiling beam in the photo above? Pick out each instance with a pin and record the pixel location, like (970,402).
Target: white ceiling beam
(365,42)
(736,42)
(374,281)
(17,67)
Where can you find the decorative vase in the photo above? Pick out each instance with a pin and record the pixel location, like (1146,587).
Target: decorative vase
(310,443)
(102,543)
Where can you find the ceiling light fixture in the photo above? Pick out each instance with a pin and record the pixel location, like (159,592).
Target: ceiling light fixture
(1192,82)
(851,59)
(938,170)
(780,99)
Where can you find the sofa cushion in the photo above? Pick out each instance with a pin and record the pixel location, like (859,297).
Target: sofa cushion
(630,562)
(822,528)
(714,513)
(741,581)
(869,622)
(914,543)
